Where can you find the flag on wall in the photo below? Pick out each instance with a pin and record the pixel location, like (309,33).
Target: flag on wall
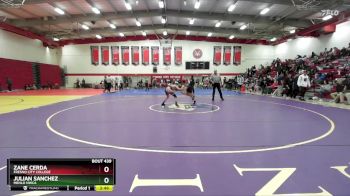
(105,55)
(155,55)
(178,55)
(145,55)
(237,50)
(115,55)
(125,55)
(167,55)
(227,55)
(135,53)
(217,55)
(95,55)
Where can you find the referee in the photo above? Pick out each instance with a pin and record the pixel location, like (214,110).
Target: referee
(216,81)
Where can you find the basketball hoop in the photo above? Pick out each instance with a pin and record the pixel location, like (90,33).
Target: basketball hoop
(165,41)
(11,3)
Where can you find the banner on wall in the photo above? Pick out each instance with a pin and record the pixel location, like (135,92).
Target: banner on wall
(135,53)
(125,55)
(227,55)
(145,55)
(237,50)
(167,55)
(155,55)
(115,55)
(178,55)
(217,55)
(105,55)
(95,56)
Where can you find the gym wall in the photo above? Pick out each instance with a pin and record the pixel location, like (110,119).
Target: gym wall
(305,45)
(77,60)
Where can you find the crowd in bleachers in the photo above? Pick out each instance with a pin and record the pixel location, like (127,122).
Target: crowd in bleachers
(327,71)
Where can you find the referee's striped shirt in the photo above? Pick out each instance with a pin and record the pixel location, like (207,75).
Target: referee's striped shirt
(215,79)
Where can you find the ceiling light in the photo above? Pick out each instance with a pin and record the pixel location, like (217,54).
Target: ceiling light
(163,20)
(58,10)
(188,32)
(138,23)
(243,27)
(210,34)
(56,39)
(95,10)
(292,31)
(85,27)
(273,39)
(98,36)
(185,2)
(165,33)
(121,34)
(161,4)
(137,2)
(231,37)
(218,24)
(327,17)
(197,4)
(231,8)
(192,21)
(127,5)
(264,11)
(144,33)
(112,26)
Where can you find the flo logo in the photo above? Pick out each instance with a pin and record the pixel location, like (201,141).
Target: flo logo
(183,107)
(329,12)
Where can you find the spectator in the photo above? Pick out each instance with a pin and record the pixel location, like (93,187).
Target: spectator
(191,84)
(347,88)
(105,85)
(324,89)
(338,96)
(77,83)
(303,84)
(9,83)
(146,85)
(83,83)
(109,83)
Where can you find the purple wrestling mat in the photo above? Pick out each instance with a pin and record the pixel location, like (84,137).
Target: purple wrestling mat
(245,145)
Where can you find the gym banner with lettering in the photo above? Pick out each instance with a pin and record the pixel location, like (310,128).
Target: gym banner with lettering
(125,55)
(217,55)
(178,55)
(105,55)
(237,50)
(95,55)
(145,55)
(166,55)
(227,55)
(135,53)
(155,55)
(115,55)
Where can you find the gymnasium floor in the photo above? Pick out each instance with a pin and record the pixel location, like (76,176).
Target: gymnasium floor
(245,145)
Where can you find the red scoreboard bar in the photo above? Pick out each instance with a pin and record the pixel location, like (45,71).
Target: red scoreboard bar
(96,174)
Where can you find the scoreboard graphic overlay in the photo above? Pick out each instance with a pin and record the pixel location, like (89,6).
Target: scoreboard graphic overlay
(97,174)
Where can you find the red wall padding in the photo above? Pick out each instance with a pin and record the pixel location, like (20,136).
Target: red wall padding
(20,73)
(50,74)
